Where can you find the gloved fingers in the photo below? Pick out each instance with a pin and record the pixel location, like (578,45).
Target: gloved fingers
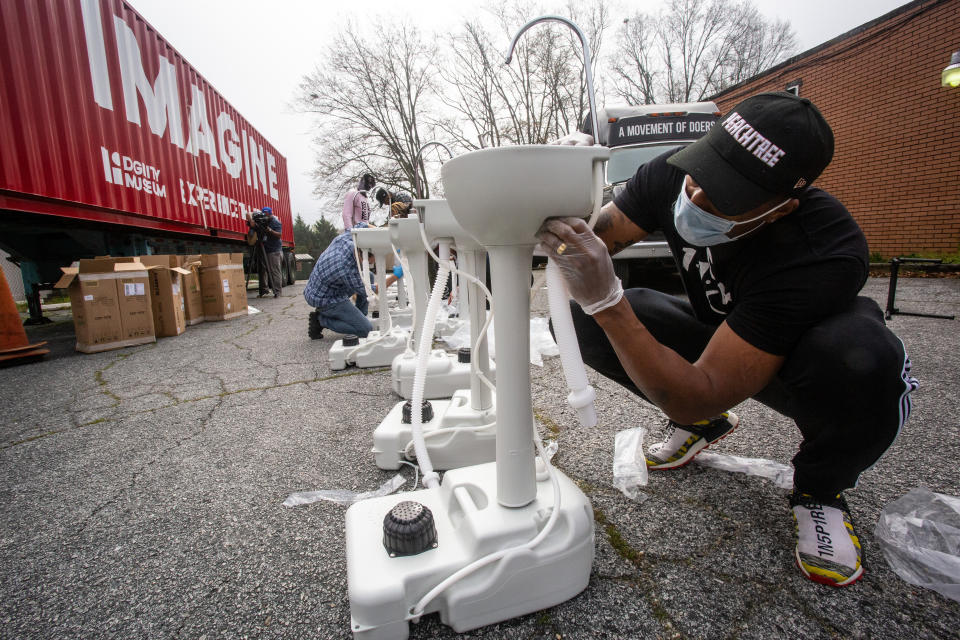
(578,224)
(553,246)
(572,236)
(548,241)
(556,227)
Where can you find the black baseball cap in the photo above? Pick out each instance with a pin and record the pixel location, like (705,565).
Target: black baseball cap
(770,145)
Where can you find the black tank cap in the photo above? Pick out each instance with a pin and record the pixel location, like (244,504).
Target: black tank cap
(409,529)
(408,409)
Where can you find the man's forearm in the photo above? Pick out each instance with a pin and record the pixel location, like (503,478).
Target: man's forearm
(616,230)
(677,387)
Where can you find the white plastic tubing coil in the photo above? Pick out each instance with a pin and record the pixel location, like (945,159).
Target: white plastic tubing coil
(581,395)
(424,344)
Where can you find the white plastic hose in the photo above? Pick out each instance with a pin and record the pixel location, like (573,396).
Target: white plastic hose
(582,394)
(430,479)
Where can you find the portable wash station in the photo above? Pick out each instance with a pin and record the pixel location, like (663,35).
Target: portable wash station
(381,346)
(460,431)
(497,540)
(445,373)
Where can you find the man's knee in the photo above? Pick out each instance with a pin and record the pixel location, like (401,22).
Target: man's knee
(364,328)
(855,345)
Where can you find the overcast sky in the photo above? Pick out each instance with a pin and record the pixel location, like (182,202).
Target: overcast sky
(255,52)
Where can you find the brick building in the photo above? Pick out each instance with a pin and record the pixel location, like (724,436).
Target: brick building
(896,165)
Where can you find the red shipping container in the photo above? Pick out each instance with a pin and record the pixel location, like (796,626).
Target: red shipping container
(102,120)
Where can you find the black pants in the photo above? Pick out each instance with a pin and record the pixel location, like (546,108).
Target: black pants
(846,384)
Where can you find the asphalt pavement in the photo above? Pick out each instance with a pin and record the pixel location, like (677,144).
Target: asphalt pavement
(141,495)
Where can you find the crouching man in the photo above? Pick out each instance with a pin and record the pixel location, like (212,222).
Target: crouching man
(334,280)
(772,267)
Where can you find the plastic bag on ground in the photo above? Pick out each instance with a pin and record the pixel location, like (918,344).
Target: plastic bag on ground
(777,472)
(541,340)
(629,463)
(920,537)
(341,496)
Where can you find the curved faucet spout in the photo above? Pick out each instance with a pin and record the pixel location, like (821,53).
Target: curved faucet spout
(416,162)
(591,95)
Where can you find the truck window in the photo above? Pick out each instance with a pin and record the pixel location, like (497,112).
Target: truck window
(624,162)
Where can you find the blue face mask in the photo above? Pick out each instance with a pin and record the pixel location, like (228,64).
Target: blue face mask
(703,229)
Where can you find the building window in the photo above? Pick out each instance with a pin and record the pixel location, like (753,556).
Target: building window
(794,87)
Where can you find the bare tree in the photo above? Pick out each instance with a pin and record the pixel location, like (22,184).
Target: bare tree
(694,48)
(538,97)
(759,45)
(635,72)
(380,93)
(371,96)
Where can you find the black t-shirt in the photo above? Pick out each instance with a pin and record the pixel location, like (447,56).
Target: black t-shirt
(775,283)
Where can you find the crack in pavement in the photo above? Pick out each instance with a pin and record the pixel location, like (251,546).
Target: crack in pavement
(136,474)
(225,393)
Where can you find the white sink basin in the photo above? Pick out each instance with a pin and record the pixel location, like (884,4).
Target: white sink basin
(375,240)
(438,222)
(500,196)
(405,234)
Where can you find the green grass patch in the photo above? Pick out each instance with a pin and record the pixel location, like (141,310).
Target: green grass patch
(945,256)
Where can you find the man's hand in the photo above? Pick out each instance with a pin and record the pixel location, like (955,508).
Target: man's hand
(575,139)
(583,260)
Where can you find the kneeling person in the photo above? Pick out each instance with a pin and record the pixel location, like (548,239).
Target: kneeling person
(333,281)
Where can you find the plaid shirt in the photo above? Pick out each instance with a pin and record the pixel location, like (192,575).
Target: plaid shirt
(335,276)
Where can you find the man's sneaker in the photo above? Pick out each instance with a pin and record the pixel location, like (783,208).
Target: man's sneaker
(828,550)
(685,441)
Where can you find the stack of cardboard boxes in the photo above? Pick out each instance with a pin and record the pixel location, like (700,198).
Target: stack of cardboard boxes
(111,303)
(192,296)
(122,302)
(224,286)
(166,294)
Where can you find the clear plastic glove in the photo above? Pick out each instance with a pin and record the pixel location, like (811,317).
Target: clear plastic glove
(575,139)
(583,260)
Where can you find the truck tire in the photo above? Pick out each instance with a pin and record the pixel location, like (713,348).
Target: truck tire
(291,268)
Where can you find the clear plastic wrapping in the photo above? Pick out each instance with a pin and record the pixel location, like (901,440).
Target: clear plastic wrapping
(920,538)
(629,464)
(342,496)
(777,472)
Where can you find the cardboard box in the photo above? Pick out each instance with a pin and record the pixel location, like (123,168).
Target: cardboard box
(166,294)
(192,297)
(223,286)
(110,301)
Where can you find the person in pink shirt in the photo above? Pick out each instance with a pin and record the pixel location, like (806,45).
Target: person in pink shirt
(356,207)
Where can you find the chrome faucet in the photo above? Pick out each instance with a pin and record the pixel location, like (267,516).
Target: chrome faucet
(591,95)
(416,162)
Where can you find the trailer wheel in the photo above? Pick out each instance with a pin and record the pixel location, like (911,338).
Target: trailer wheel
(291,268)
